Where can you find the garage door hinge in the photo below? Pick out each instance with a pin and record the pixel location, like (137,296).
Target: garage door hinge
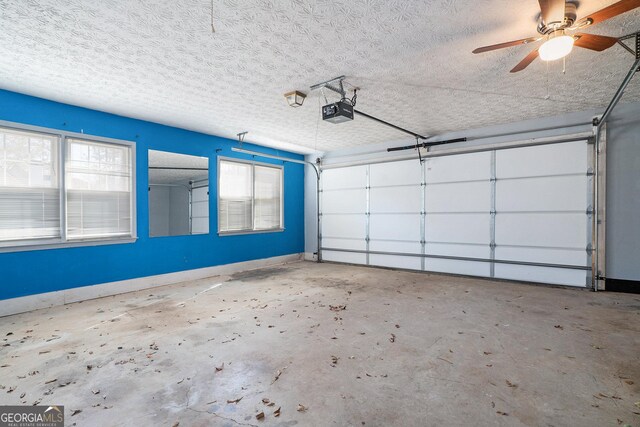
(590,210)
(492,245)
(590,172)
(589,249)
(492,212)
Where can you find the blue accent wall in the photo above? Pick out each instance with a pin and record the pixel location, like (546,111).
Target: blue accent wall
(38,271)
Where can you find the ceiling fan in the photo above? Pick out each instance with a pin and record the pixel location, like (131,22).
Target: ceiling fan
(557,19)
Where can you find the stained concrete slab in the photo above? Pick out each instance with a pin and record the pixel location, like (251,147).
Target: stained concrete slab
(353,345)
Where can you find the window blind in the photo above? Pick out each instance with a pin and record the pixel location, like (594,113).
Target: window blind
(267,195)
(98,189)
(235,195)
(250,197)
(29,186)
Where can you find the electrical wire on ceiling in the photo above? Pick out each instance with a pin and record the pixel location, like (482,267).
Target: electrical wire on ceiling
(213,28)
(318,115)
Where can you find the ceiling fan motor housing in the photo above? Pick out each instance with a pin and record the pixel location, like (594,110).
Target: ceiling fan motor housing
(570,17)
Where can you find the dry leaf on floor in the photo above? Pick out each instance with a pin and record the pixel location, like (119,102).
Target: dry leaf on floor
(486,353)
(95,391)
(51,381)
(235,400)
(334,361)
(218,369)
(176,424)
(260,416)
(265,401)
(501,413)
(558,327)
(301,408)
(278,373)
(276,413)
(510,384)
(337,307)
(393,338)
(76,412)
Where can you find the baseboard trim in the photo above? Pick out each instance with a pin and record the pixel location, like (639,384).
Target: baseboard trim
(67,296)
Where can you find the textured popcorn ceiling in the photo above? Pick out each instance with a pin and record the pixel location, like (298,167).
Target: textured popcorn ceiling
(159,60)
(181,162)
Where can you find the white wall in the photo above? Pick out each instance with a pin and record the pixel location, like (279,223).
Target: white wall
(179,211)
(158,210)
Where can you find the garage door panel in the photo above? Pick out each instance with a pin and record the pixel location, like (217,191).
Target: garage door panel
(459,197)
(542,255)
(345,257)
(561,193)
(344,201)
(541,229)
(396,199)
(395,227)
(470,251)
(554,276)
(470,268)
(394,246)
(551,159)
(461,167)
(337,243)
(351,226)
(458,228)
(339,178)
(410,263)
(395,173)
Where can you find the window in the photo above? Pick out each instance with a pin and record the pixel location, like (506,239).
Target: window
(249,197)
(98,190)
(45,200)
(29,186)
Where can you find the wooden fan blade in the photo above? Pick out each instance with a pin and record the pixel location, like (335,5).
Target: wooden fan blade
(552,11)
(610,11)
(526,61)
(594,42)
(506,44)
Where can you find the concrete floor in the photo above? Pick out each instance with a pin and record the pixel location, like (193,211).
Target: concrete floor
(408,349)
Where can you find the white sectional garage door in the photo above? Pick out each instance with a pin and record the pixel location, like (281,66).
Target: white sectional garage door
(518,213)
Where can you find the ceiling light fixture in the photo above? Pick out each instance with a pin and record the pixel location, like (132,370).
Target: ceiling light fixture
(557,46)
(295,99)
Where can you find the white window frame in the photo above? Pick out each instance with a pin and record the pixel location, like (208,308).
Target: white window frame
(62,242)
(253,197)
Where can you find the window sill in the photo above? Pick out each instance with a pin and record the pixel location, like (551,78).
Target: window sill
(241,232)
(70,244)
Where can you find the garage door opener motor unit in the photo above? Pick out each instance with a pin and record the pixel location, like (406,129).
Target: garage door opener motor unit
(338,112)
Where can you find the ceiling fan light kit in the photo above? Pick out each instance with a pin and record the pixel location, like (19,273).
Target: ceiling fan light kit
(557,46)
(559,17)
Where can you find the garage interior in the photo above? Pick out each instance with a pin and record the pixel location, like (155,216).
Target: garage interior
(320,213)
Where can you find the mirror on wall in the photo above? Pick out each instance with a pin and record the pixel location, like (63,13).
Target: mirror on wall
(178,194)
